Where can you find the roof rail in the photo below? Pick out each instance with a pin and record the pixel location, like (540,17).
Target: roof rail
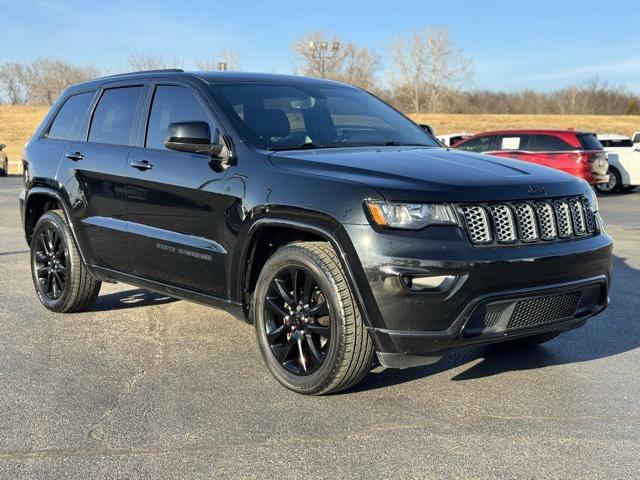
(159,70)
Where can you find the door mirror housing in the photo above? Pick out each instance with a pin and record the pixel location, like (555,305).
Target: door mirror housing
(193,137)
(428,128)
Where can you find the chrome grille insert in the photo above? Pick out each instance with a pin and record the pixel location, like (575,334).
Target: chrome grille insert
(547,220)
(579,224)
(528,222)
(504,223)
(477,223)
(564,219)
(589,217)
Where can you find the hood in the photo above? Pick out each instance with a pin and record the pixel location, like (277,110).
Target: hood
(433,174)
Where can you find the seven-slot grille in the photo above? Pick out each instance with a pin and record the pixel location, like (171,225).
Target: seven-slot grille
(528,222)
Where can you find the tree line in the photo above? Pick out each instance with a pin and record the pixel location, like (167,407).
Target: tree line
(425,72)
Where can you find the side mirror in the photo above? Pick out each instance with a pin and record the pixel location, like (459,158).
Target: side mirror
(2,145)
(428,128)
(193,137)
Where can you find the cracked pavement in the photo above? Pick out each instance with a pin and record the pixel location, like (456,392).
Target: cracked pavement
(145,386)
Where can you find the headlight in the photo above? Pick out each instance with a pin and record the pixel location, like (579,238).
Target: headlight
(410,216)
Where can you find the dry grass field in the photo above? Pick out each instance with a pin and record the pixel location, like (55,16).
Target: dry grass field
(18,122)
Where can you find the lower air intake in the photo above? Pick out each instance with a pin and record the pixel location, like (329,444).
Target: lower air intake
(536,311)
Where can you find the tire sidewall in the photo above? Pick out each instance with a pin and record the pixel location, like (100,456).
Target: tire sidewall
(315,382)
(616,186)
(51,220)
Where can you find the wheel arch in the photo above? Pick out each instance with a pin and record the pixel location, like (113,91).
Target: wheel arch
(252,256)
(38,201)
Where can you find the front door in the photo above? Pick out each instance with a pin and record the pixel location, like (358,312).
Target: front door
(178,202)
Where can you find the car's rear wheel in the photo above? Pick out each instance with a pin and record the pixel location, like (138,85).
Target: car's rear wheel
(613,184)
(308,326)
(4,171)
(61,279)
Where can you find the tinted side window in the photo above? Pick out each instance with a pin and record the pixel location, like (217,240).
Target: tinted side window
(480,144)
(549,143)
(513,142)
(69,120)
(617,143)
(590,142)
(172,104)
(114,116)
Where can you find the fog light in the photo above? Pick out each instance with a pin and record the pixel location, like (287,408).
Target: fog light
(437,283)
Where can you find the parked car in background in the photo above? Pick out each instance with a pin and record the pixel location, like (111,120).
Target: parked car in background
(451,139)
(4,162)
(624,163)
(577,153)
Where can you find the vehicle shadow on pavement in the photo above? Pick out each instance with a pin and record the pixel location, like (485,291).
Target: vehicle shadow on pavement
(612,332)
(130,299)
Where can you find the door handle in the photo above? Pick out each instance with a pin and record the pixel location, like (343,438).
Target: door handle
(75,156)
(143,165)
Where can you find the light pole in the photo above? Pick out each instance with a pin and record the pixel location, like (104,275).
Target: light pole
(321,53)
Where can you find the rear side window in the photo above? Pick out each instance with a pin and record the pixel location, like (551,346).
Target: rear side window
(549,143)
(636,138)
(480,144)
(114,116)
(617,143)
(172,104)
(590,142)
(513,142)
(70,118)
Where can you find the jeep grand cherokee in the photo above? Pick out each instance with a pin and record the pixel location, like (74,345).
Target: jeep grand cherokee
(311,209)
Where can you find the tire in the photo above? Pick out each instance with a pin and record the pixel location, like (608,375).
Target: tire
(531,341)
(614,182)
(5,170)
(294,324)
(62,282)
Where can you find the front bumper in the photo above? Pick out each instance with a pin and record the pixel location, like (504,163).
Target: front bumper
(486,281)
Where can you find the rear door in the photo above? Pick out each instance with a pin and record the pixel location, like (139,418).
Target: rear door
(95,173)
(179,204)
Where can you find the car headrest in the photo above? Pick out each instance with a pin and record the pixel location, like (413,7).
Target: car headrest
(272,123)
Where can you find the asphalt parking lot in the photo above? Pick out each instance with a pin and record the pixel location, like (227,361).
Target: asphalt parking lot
(144,386)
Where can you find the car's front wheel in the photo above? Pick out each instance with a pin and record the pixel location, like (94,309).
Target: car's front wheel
(61,279)
(308,325)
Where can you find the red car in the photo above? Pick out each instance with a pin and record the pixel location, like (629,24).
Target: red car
(577,153)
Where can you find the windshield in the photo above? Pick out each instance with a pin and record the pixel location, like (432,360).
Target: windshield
(286,117)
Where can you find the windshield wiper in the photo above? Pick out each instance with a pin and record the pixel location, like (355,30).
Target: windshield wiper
(302,146)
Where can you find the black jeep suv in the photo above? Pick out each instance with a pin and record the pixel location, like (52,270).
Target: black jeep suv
(338,227)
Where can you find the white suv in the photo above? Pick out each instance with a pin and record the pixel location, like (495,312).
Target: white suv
(624,163)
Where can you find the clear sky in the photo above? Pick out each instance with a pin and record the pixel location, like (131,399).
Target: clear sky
(538,44)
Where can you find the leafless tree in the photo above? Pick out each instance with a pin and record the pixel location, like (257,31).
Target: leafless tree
(228,56)
(147,60)
(427,65)
(52,76)
(40,81)
(16,82)
(349,63)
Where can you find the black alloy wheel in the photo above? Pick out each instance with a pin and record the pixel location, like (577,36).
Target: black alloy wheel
(309,329)
(298,325)
(50,263)
(62,281)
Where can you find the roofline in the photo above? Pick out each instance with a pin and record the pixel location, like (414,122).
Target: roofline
(158,70)
(537,130)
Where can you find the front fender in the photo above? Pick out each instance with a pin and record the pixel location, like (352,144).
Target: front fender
(320,225)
